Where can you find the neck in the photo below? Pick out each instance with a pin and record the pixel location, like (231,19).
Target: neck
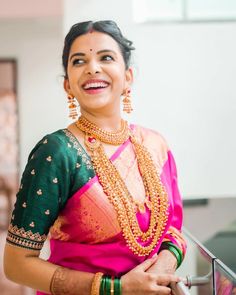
(108,122)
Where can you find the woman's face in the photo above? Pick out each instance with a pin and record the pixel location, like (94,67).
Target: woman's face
(96,73)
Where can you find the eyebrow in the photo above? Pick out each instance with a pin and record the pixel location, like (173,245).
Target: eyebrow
(106,50)
(99,52)
(77,54)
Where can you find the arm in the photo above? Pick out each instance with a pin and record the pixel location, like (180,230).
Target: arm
(43,191)
(24,267)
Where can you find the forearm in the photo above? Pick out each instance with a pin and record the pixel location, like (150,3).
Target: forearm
(37,274)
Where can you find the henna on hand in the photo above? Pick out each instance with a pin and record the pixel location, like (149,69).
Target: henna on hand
(64,282)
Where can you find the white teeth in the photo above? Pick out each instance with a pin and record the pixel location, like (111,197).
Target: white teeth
(95,85)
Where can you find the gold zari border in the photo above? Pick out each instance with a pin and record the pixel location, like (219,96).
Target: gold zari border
(26,239)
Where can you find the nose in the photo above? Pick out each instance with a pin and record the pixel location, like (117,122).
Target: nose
(92,68)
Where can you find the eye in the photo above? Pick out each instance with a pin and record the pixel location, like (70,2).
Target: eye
(78,61)
(107,57)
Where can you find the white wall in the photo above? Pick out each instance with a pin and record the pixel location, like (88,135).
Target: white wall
(185,88)
(37,46)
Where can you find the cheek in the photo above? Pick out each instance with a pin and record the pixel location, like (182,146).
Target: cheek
(119,77)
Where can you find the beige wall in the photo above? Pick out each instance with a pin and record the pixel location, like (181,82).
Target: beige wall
(37,46)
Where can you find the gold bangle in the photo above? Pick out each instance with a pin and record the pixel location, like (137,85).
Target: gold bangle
(112,285)
(96,283)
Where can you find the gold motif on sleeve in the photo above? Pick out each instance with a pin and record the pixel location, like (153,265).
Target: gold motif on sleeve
(39,192)
(49,159)
(26,239)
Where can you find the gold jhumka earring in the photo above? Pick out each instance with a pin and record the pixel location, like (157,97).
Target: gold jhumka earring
(127,107)
(73,114)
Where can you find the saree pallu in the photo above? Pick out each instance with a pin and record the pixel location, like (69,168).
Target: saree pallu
(87,236)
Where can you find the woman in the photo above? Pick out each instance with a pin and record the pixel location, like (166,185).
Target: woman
(107,191)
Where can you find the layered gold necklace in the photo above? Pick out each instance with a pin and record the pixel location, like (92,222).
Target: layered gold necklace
(140,242)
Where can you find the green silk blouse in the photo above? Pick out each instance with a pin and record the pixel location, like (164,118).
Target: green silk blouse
(57,167)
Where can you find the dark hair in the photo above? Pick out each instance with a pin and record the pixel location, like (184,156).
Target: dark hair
(108,27)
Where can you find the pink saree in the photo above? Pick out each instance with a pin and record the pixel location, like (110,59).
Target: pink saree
(86,235)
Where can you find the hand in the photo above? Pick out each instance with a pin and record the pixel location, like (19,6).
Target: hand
(166,263)
(139,282)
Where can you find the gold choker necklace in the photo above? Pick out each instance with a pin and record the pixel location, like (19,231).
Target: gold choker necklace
(114,138)
(119,196)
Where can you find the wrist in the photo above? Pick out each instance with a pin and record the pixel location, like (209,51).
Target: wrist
(170,258)
(108,285)
(174,250)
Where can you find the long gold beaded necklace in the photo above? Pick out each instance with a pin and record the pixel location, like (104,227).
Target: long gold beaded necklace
(116,190)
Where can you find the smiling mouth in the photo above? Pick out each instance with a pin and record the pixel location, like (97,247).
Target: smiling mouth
(95,85)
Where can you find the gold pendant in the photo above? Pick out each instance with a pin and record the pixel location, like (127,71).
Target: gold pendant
(148,204)
(141,208)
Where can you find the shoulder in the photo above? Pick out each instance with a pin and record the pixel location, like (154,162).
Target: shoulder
(150,137)
(55,144)
(154,142)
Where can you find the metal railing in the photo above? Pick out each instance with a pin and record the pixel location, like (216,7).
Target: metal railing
(209,275)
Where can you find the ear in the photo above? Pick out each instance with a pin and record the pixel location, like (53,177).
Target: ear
(128,77)
(66,85)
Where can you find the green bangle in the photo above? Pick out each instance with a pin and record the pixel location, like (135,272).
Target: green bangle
(176,254)
(102,286)
(178,250)
(117,286)
(107,285)
(174,250)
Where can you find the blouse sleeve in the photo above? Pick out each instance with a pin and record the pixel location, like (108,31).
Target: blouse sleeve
(173,238)
(43,191)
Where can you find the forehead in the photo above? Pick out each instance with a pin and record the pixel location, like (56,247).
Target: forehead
(96,41)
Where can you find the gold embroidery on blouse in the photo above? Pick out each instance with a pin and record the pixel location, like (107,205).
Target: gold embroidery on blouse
(45,141)
(80,151)
(47,212)
(24,205)
(49,158)
(55,180)
(27,239)
(32,172)
(78,165)
(32,224)
(39,192)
